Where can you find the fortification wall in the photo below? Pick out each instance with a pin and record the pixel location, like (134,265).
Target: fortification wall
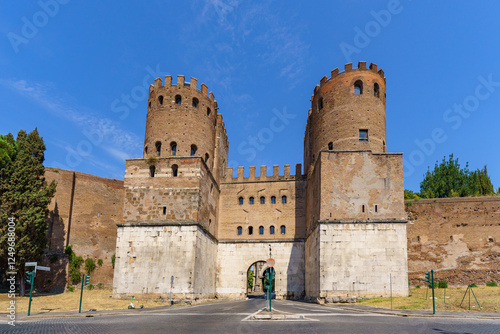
(83,213)
(338,112)
(457,237)
(236,209)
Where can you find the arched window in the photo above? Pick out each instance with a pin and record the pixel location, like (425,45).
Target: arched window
(330,146)
(206,157)
(250,230)
(283,199)
(240,230)
(195,102)
(358,87)
(178,99)
(251,200)
(283,229)
(146,150)
(193,149)
(273,199)
(261,230)
(158,148)
(175,168)
(376,90)
(240,201)
(320,104)
(208,111)
(262,200)
(271,230)
(152,170)
(173,148)
(160,99)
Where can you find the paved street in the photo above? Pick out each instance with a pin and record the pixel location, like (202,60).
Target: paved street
(233,317)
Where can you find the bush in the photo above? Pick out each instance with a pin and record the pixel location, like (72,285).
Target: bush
(89,265)
(443,284)
(492,283)
(71,288)
(473,285)
(90,286)
(113,258)
(418,286)
(74,265)
(100,286)
(99,262)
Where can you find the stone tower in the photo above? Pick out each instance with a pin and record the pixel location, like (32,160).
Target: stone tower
(172,195)
(355,216)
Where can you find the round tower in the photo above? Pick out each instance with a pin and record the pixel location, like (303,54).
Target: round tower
(181,120)
(347,112)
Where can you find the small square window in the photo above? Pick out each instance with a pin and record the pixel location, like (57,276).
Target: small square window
(363,135)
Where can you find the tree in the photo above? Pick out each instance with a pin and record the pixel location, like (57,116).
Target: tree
(24,196)
(449,180)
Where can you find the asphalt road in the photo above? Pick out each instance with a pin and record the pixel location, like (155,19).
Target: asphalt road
(232,317)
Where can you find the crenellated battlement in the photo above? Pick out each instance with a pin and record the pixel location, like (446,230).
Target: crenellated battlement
(193,85)
(240,177)
(348,68)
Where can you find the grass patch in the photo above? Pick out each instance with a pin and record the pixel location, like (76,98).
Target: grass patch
(488,297)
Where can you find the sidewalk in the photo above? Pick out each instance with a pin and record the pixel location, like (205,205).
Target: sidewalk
(415,313)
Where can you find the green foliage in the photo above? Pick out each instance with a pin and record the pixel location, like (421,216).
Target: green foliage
(90,286)
(418,286)
(89,265)
(250,279)
(99,263)
(409,194)
(443,284)
(100,286)
(449,180)
(473,285)
(113,258)
(75,262)
(25,196)
(492,283)
(71,288)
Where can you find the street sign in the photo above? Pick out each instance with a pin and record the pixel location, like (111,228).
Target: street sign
(42,268)
(270,262)
(30,264)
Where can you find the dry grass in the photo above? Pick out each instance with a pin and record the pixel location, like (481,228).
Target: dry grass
(69,301)
(488,297)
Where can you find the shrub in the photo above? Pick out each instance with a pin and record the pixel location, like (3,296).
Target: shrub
(89,265)
(113,258)
(90,286)
(100,286)
(492,283)
(473,285)
(74,265)
(443,284)
(99,262)
(71,288)
(54,258)
(418,286)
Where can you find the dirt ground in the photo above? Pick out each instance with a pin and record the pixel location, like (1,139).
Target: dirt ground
(69,301)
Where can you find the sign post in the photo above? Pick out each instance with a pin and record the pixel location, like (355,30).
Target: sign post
(429,278)
(270,277)
(85,281)
(171,286)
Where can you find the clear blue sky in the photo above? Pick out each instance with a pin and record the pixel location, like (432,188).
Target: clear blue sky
(65,70)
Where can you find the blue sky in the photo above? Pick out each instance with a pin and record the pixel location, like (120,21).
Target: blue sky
(67,68)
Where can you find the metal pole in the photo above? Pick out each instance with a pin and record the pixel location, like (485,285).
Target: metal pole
(475,298)
(469,297)
(444,296)
(390,280)
(32,280)
(433,299)
(81,293)
(171,286)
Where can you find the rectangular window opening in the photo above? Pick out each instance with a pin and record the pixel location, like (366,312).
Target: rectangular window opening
(164,210)
(363,135)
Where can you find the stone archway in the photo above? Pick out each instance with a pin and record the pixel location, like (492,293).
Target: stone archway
(258,269)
